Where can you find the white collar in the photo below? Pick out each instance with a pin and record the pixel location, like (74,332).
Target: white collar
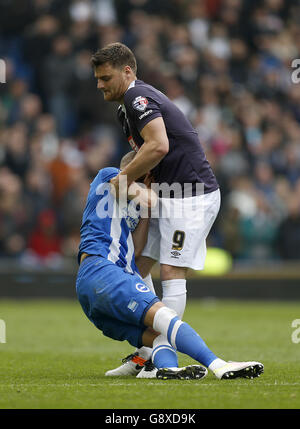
(132,85)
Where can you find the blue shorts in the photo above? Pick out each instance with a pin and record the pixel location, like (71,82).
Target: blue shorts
(114,300)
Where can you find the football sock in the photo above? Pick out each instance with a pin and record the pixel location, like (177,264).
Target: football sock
(163,355)
(144,352)
(174,295)
(182,336)
(217,363)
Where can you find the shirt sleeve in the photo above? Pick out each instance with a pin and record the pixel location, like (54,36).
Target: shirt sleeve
(140,107)
(108,173)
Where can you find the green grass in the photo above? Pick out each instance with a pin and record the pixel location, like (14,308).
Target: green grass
(55,358)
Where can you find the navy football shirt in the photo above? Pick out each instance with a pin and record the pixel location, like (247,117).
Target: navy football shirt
(186,161)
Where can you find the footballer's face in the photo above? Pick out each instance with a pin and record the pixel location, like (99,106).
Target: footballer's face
(113,81)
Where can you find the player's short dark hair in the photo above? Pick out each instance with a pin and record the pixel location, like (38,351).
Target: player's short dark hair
(116,54)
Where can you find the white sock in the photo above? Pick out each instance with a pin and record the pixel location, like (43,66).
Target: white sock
(217,363)
(144,352)
(174,295)
(149,283)
(162,320)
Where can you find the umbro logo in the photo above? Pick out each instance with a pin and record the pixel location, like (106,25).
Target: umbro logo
(145,114)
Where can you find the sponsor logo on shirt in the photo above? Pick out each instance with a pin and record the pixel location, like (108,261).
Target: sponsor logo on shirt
(145,114)
(140,103)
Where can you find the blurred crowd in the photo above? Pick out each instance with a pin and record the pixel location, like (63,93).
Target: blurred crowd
(225,63)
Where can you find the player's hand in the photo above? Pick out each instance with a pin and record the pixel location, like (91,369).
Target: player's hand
(142,195)
(115,186)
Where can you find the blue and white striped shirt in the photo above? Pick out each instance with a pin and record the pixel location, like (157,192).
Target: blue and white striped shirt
(104,231)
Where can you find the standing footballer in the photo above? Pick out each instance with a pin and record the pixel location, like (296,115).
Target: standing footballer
(168,146)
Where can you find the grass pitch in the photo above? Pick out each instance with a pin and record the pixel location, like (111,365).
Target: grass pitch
(55,358)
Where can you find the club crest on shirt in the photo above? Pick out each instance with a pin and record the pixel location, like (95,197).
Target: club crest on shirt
(141,287)
(140,103)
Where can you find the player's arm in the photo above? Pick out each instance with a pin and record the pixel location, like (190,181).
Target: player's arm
(139,236)
(154,149)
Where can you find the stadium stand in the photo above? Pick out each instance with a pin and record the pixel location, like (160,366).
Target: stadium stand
(226,64)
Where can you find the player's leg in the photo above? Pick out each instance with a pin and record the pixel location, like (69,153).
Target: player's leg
(165,321)
(173,281)
(145,353)
(107,294)
(183,230)
(178,335)
(172,277)
(145,264)
(173,284)
(150,253)
(174,292)
(121,306)
(139,361)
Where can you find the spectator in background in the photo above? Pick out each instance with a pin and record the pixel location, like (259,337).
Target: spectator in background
(16,156)
(14,219)
(90,107)
(37,193)
(289,232)
(252,236)
(292,164)
(44,243)
(11,101)
(258,232)
(59,85)
(226,64)
(30,109)
(71,210)
(60,169)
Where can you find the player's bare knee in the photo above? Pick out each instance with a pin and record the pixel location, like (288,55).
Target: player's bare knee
(149,316)
(149,336)
(170,272)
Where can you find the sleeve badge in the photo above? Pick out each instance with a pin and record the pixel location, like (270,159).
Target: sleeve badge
(140,103)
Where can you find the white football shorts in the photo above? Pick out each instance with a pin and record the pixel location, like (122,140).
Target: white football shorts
(178,236)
